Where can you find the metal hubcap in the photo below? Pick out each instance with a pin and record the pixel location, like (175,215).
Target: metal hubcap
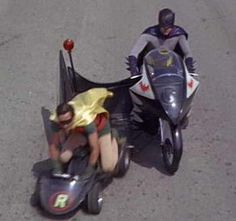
(100,200)
(127,160)
(169,153)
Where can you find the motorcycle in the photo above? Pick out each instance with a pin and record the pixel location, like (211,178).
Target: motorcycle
(159,100)
(163,96)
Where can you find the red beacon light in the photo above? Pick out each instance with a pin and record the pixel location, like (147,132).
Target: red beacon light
(68,45)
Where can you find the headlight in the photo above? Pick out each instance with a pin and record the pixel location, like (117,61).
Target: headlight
(168,95)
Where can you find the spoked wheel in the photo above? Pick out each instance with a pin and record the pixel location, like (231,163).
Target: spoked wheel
(95,199)
(123,163)
(172,151)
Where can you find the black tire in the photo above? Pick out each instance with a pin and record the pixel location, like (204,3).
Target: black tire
(172,153)
(35,197)
(185,123)
(34,200)
(123,163)
(94,199)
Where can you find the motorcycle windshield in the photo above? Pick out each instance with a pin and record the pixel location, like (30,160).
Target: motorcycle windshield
(166,74)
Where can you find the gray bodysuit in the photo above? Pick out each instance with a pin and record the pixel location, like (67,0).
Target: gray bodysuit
(153,35)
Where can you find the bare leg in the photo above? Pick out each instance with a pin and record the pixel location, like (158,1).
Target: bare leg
(109,152)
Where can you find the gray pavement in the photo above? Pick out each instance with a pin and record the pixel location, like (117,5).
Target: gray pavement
(31,34)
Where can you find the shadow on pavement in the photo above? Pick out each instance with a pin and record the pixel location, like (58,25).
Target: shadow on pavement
(147,151)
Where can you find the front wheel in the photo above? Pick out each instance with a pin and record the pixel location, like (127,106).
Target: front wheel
(172,151)
(35,197)
(94,199)
(123,163)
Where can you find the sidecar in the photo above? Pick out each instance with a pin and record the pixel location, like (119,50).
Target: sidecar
(64,194)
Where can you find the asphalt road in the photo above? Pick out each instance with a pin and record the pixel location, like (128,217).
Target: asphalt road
(31,34)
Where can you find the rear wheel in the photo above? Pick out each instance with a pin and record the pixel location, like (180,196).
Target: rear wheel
(172,151)
(94,199)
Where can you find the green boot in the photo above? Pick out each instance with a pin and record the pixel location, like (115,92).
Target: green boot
(120,140)
(89,171)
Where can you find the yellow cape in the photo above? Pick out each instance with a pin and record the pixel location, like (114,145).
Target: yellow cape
(86,106)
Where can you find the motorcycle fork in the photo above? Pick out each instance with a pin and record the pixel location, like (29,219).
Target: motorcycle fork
(165,131)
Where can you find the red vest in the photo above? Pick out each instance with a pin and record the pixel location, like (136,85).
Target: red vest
(100,122)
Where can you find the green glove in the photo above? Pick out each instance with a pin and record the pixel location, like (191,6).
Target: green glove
(88,172)
(56,167)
